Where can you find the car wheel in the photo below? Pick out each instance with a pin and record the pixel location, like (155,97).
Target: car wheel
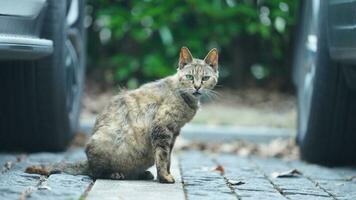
(41,99)
(326,108)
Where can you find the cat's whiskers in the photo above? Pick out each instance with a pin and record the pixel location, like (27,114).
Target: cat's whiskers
(212,95)
(213,92)
(207,94)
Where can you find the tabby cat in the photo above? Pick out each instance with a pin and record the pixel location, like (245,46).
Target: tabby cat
(138,128)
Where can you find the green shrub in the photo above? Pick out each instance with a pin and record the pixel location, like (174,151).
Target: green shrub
(140,40)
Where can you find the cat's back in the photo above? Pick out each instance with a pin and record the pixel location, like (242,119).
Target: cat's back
(133,108)
(155,91)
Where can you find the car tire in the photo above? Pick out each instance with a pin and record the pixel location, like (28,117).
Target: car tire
(40,100)
(326,130)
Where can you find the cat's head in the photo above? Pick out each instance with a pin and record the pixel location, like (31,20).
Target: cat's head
(197,76)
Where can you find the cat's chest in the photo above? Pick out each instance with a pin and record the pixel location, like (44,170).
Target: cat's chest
(183,112)
(176,111)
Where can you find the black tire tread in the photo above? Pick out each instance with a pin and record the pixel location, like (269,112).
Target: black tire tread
(330,136)
(33,116)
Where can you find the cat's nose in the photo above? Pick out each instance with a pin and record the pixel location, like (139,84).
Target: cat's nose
(197,87)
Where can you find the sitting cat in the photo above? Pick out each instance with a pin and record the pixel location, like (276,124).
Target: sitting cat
(138,128)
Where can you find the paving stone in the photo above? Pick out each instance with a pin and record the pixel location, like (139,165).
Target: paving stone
(15,182)
(241,169)
(335,181)
(340,189)
(200,182)
(306,197)
(136,189)
(253,195)
(346,172)
(238,167)
(62,186)
(316,172)
(299,185)
(255,184)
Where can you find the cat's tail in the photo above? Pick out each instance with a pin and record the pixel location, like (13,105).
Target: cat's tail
(78,168)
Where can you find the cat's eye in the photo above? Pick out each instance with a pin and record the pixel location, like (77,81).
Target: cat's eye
(189,77)
(205,78)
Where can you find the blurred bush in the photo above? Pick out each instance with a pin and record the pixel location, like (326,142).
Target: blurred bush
(135,41)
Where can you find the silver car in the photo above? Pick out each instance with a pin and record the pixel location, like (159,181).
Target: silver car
(325,76)
(42,54)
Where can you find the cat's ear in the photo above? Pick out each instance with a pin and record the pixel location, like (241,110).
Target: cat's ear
(212,59)
(185,57)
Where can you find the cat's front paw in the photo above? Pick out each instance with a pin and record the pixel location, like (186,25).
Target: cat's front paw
(166,179)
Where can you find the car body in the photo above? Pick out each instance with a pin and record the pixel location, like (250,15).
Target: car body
(325,78)
(20,28)
(42,63)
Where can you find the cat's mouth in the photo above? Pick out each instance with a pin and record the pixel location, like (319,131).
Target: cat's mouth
(196,93)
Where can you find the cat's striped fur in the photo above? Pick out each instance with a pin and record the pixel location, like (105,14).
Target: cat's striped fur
(138,128)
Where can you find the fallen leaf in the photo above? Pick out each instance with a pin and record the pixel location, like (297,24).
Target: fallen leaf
(8,165)
(220,169)
(286,174)
(233,182)
(281,148)
(37,169)
(44,187)
(340,184)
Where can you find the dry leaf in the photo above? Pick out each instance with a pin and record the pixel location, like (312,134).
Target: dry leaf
(280,148)
(286,174)
(232,182)
(8,165)
(44,187)
(351,178)
(220,169)
(340,184)
(37,169)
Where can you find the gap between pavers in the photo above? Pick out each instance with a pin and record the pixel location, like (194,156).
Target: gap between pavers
(136,189)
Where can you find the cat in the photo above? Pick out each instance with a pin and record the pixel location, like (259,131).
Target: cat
(138,128)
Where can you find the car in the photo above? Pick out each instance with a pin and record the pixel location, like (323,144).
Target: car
(325,78)
(42,64)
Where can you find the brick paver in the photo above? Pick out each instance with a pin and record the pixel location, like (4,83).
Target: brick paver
(199,179)
(315,182)
(136,189)
(15,184)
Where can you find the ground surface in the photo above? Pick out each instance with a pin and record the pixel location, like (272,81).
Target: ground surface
(246,108)
(202,170)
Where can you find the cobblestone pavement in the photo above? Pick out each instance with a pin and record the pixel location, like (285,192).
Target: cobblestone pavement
(15,184)
(251,178)
(204,176)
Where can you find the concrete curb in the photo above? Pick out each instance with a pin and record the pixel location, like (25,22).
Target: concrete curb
(220,133)
(228,133)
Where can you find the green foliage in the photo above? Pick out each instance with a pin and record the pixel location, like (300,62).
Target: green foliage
(141,39)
